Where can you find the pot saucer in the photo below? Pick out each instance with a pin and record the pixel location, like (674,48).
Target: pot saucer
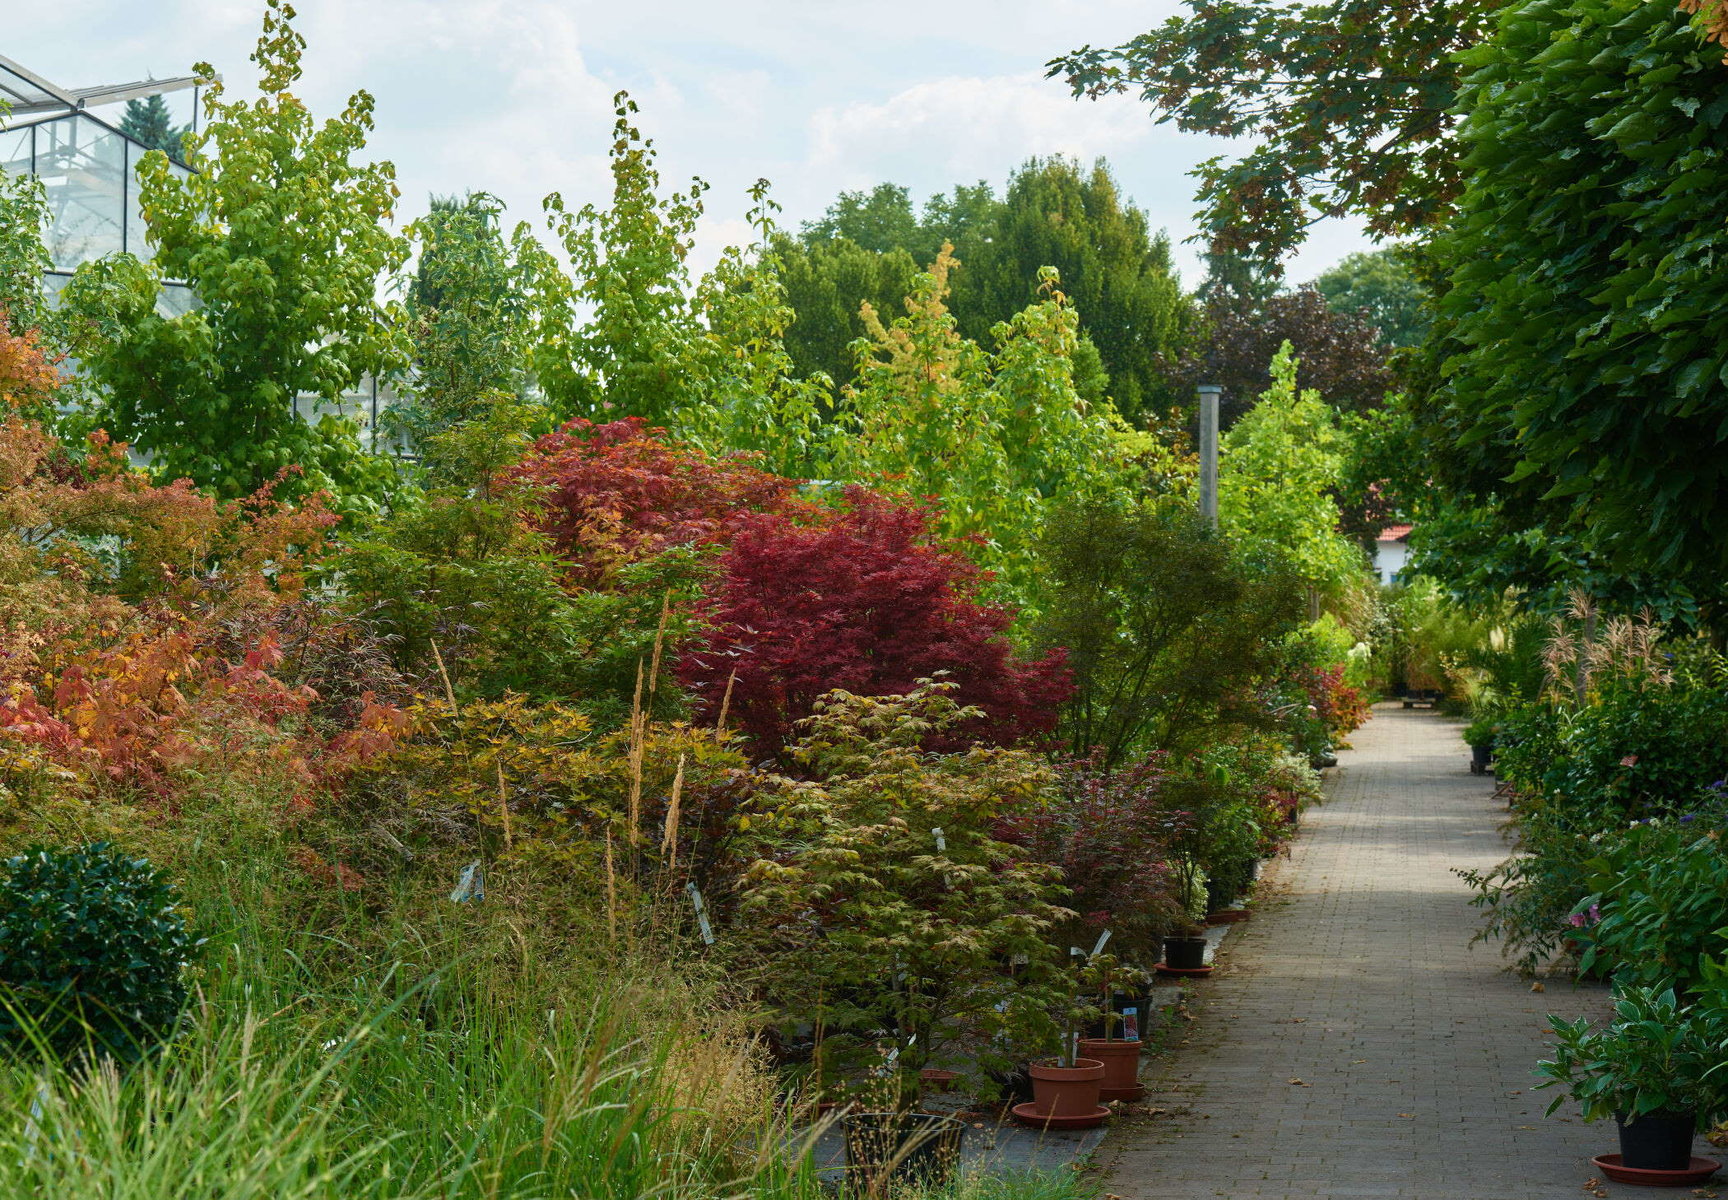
(1028,1114)
(1697,1171)
(1184,972)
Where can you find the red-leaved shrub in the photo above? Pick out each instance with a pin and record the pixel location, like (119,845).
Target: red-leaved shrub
(619,490)
(866,600)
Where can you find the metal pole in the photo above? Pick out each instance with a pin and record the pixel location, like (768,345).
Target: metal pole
(1208,393)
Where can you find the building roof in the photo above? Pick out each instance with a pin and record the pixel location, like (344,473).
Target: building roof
(28,94)
(1395,533)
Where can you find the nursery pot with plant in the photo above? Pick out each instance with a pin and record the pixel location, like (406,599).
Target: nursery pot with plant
(1066,1087)
(1656,1068)
(1118,1043)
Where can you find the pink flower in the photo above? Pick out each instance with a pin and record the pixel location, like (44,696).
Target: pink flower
(1631,760)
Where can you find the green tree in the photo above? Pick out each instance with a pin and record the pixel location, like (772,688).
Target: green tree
(997,434)
(1279,469)
(23,256)
(283,239)
(467,319)
(1349,102)
(759,400)
(149,121)
(826,284)
(881,219)
(1381,285)
(1116,273)
(1583,402)
(1167,626)
(621,335)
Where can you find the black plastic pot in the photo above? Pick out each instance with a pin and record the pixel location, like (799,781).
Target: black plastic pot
(1185,953)
(1658,1141)
(1480,757)
(886,1151)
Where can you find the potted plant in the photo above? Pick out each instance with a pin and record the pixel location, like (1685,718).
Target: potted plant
(1119,1047)
(1185,948)
(1479,735)
(1656,1068)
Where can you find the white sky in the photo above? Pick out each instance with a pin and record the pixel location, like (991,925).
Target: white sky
(514,96)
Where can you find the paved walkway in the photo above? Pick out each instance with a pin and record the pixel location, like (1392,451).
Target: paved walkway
(1353,1043)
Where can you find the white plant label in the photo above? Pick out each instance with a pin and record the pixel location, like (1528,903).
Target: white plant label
(706,929)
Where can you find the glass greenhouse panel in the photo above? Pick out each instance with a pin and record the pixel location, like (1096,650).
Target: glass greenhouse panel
(83,168)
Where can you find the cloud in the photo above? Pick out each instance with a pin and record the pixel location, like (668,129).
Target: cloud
(970,127)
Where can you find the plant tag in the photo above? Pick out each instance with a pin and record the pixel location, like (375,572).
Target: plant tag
(941,842)
(706,929)
(471,885)
(1076,952)
(1102,938)
(1131,1024)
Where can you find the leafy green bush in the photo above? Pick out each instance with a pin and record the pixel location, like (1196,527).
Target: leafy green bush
(1658,909)
(92,948)
(883,903)
(1657,1055)
(1167,629)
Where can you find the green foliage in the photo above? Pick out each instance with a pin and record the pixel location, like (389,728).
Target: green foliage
(1133,314)
(23,257)
(1380,284)
(998,436)
(758,401)
(468,321)
(1656,1056)
(1167,628)
(1118,275)
(92,951)
(149,121)
(882,898)
(621,336)
(1585,381)
(1349,103)
(282,238)
(1278,469)
(826,282)
(1656,914)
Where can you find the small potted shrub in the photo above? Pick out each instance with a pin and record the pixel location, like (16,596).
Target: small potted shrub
(92,949)
(1119,1047)
(1656,1068)
(1479,735)
(1185,948)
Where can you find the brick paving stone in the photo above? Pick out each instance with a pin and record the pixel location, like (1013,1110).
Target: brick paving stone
(1414,1049)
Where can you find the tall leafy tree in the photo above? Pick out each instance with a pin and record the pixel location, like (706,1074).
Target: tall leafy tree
(1349,103)
(997,433)
(282,237)
(621,336)
(1382,286)
(1340,355)
(1584,395)
(1279,470)
(150,122)
(1115,271)
(467,319)
(826,284)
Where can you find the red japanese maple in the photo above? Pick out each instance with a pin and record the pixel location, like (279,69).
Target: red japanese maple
(866,600)
(620,489)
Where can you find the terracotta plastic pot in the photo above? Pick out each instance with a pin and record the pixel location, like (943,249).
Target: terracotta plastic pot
(1066,1091)
(1121,1068)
